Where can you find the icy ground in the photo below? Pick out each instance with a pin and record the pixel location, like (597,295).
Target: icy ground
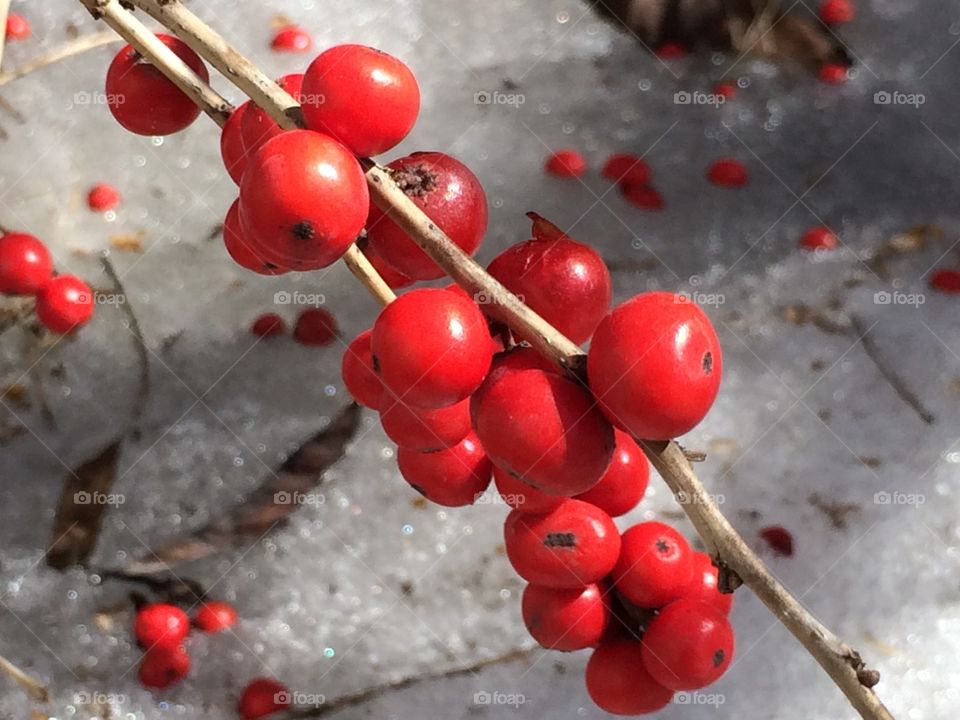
(370,586)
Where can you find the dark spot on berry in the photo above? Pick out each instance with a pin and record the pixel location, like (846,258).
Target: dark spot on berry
(560,540)
(515,474)
(718,658)
(269,266)
(708,363)
(662,545)
(303,230)
(375,364)
(416,180)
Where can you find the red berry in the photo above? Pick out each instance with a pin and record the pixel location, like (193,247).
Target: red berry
(453,477)
(619,683)
(543,429)
(163,666)
(642,196)
(655,565)
(315,327)
(232,150)
(25,264)
(944,280)
(566,163)
(553,274)
(358,374)
(779,539)
(214,616)
(256,125)
(303,200)
(703,587)
(365,98)
(626,167)
(424,430)
(625,481)
(671,51)
(292,39)
(727,172)
(565,618)
(725,90)
(64,303)
(103,197)
(688,645)
(573,545)
(18,27)
(268,325)
(431,347)
(143,100)
(835,12)
(391,276)
(517,494)
(833,73)
(263,697)
(161,625)
(655,365)
(819,238)
(451,196)
(241,251)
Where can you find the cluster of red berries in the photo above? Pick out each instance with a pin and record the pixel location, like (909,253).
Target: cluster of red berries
(63,302)
(314,327)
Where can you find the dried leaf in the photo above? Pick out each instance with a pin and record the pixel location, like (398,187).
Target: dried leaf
(129,242)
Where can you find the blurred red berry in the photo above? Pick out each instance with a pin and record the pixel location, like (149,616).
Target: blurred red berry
(214,616)
(779,539)
(268,325)
(262,697)
(315,327)
(944,280)
(64,303)
(641,196)
(566,163)
(671,51)
(163,666)
(835,12)
(292,39)
(103,197)
(18,27)
(626,167)
(726,90)
(160,625)
(833,73)
(727,172)
(819,238)
(25,264)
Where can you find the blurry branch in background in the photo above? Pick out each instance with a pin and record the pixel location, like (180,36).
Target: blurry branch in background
(4,11)
(67,50)
(737,562)
(34,688)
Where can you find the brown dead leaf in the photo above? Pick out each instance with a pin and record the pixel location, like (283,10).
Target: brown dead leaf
(129,242)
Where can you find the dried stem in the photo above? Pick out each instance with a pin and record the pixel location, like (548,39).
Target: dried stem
(67,50)
(735,558)
(34,688)
(4,11)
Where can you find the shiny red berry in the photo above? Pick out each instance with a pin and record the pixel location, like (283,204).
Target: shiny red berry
(728,172)
(256,125)
(303,200)
(315,327)
(64,303)
(619,683)
(18,27)
(25,264)
(519,357)
(143,100)
(655,565)
(573,545)
(703,586)
(688,645)
(215,616)
(358,373)
(103,197)
(291,39)
(655,365)
(517,494)
(565,619)
(450,195)
(268,325)
(624,483)
(726,90)
(365,98)
(819,238)
(453,477)
(833,73)
(424,430)
(163,666)
(262,697)
(835,12)
(160,625)
(554,274)
(240,250)
(642,196)
(232,150)
(626,167)
(544,429)
(566,163)
(390,275)
(431,347)
(945,280)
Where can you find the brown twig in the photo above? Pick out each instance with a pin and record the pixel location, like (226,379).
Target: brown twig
(67,50)
(735,558)
(4,11)
(34,688)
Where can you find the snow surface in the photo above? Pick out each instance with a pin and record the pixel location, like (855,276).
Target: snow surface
(370,587)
